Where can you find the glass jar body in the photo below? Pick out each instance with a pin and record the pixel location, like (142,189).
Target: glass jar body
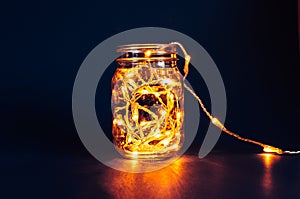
(148,109)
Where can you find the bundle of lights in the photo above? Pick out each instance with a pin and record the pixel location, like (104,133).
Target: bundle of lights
(148,99)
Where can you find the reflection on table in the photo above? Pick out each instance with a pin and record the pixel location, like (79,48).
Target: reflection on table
(215,176)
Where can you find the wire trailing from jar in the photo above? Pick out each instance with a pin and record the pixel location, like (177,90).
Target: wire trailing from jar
(215,121)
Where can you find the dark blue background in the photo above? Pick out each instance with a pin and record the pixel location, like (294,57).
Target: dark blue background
(43,43)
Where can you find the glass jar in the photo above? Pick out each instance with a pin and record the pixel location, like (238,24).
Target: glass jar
(147,102)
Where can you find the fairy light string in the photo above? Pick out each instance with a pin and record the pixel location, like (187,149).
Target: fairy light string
(266,148)
(147,113)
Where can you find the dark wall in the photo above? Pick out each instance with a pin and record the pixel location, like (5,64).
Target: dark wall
(43,44)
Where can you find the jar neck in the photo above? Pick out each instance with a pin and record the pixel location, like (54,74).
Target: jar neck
(146,63)
(151,55)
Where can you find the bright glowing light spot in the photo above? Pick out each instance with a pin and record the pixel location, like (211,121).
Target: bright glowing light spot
(130,75)
(135,117)
(118,122)
(214,120)
(171,96)
(168,133)
(129,139)
(161,64)
(148,53)
(167,81)
(144,123)
(271,149)
(134,154)
(217,122)
(157,135)
(175,146)
(178,115)
(165,142)
(144,91)
(163,112)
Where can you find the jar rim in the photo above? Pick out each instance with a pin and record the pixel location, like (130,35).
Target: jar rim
(137,48)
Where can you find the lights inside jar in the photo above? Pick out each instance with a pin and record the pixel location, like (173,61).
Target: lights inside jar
(148,101)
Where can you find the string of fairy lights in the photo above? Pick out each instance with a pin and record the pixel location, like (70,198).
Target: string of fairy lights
(266,148)
(147,113)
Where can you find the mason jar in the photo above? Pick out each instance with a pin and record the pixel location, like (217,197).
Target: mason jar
(147,102)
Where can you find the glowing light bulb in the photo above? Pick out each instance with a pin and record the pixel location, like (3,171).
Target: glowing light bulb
(171,96)
(143,123)
(130,75)
(135,117)
(118,122)
(161,64)
(167,81)
(163,112)
(217,122)
(271,149)
(165,142)
(144,91)
(148,53)
(134,154)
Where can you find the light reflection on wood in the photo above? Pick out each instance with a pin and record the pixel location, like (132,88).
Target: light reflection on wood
(267,180)
(164,183)
(219,175)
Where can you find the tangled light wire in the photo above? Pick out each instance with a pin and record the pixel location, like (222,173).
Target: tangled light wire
(216,121)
